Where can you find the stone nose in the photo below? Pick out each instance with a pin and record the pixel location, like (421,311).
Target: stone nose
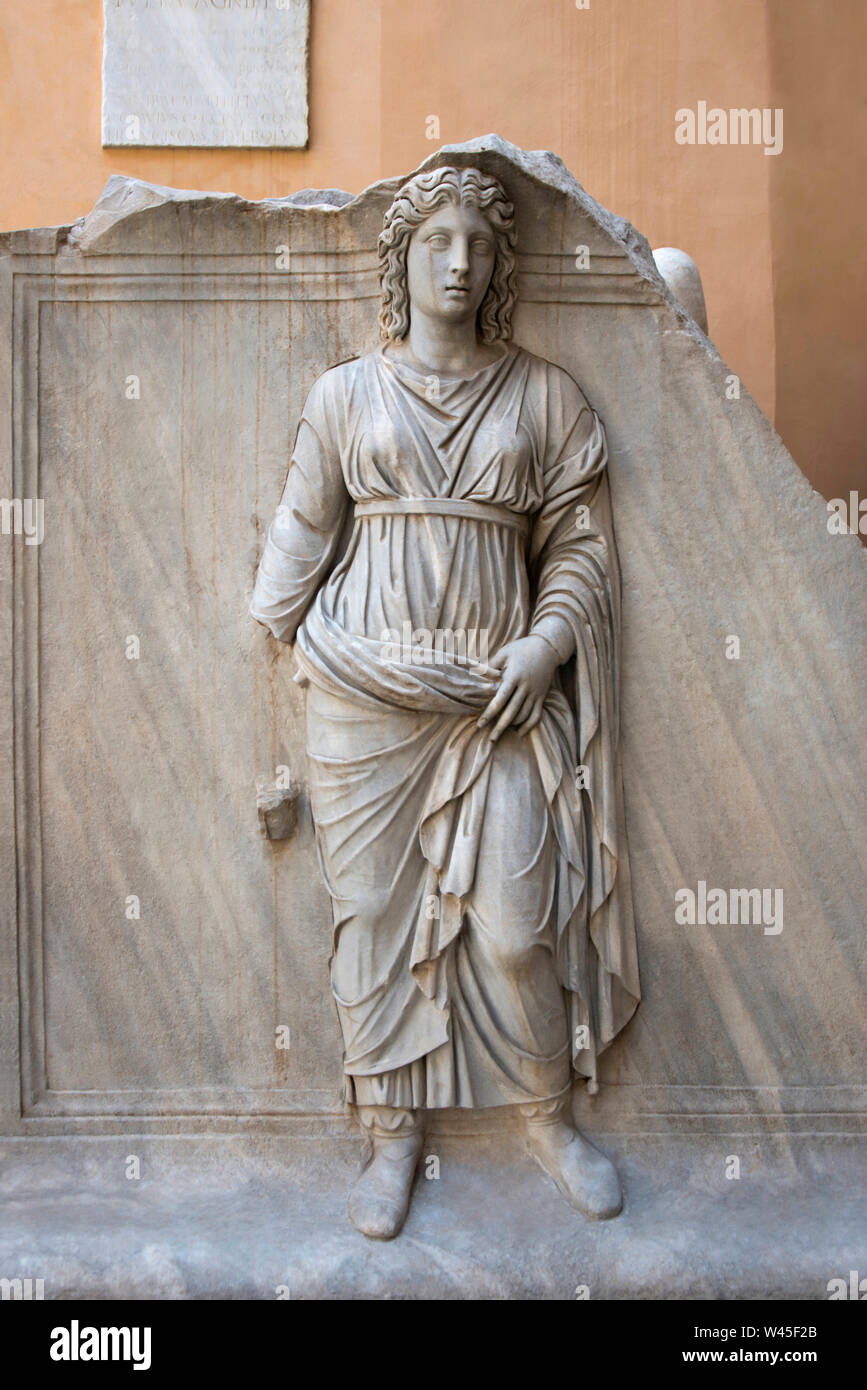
(459,267)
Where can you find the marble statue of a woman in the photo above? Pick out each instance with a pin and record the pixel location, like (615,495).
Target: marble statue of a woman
(443,559)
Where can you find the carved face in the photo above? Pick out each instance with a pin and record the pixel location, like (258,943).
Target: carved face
(449,263)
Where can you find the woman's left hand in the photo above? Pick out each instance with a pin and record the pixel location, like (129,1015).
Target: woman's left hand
(528,666)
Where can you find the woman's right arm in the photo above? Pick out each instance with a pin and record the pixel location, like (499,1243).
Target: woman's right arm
(303,537)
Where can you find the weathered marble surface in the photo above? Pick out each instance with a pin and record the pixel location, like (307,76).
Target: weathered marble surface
(740,773)
(243,1219)
(681,275)
(205,73)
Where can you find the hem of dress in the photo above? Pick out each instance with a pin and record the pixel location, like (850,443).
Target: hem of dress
(394,1096)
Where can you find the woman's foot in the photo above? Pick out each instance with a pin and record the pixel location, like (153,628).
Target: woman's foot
(587,1179)
(379,1200)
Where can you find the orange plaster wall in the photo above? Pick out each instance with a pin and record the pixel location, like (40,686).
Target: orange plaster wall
(600,87)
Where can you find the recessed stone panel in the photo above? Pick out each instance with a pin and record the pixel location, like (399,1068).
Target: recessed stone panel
(157,358)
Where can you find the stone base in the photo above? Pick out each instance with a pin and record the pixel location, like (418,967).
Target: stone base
(239,1216)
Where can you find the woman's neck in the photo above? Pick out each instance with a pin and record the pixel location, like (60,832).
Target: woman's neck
(451,348)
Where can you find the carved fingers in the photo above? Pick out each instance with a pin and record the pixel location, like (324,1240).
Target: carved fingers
(531,720)
(527,669)
(511,712)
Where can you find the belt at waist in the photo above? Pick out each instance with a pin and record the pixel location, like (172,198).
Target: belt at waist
(445,506)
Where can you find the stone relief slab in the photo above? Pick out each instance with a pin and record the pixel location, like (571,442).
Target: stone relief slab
(124,777)
(205,73)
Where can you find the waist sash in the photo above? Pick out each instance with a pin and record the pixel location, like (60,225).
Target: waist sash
(491,512)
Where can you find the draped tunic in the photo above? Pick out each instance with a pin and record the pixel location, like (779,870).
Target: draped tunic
(472,506)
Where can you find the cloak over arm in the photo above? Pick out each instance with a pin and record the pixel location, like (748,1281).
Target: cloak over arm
(568,553)
(573,560)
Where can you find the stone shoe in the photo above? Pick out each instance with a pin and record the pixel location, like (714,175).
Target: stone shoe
(586,1178)
(379,1200)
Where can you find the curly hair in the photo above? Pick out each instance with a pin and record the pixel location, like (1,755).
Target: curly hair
(414,203)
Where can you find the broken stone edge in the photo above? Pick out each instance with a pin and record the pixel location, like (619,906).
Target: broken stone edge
(125,198)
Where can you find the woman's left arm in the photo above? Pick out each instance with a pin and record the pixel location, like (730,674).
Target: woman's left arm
(569,556)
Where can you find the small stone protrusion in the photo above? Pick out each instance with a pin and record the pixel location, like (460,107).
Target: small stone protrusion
(278,809)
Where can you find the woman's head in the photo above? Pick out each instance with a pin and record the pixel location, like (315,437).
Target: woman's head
(448,242)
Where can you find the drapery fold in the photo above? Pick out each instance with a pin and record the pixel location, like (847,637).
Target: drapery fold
(518,434)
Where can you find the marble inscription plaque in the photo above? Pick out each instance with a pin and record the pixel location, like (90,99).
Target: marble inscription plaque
(205,73)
